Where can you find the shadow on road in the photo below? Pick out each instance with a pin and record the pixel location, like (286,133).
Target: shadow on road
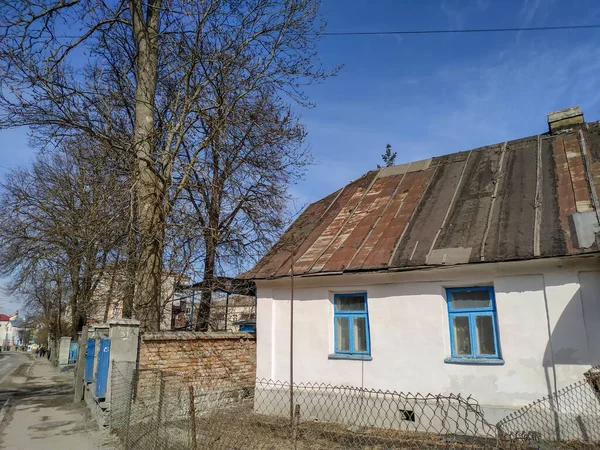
(38,412)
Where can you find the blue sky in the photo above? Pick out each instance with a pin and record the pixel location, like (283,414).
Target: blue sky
(430,95)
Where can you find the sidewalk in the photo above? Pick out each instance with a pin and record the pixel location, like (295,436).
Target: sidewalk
(37,412)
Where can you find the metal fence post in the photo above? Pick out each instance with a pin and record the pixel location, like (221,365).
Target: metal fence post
(224,419)
(193,418)
(295,425)
(127,418)
(161,395)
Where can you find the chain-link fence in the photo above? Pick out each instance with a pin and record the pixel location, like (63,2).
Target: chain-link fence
(570,419)
(159,410)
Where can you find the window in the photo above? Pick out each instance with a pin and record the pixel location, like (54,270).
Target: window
(473,328)
(351,324)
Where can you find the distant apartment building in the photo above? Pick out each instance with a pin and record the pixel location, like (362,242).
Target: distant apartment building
(233,303)
(107,300)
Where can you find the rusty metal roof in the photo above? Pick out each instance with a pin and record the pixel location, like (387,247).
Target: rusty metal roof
(528,198)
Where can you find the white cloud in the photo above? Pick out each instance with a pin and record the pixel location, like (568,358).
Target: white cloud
(463,104)
(529,83)
(529,10)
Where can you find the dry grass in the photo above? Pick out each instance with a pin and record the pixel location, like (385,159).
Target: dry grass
(235,429)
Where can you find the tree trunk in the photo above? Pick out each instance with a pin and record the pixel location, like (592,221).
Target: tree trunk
(203,316)
(211,234)
(149,186)
(58,327)
(77,301)
(59,299)
(130,264)
(75,294)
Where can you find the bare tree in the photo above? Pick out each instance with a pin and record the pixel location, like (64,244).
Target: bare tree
(64,215)
(169,83)
(44,302)
(238,191)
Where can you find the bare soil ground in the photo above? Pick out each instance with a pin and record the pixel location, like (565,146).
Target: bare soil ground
(240,428)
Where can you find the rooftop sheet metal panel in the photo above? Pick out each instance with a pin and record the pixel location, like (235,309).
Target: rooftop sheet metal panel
(362,221)
(512,223)
(579,180)
(301,229)
(380,245)
(591,137)
(332,223)
(423,230)
(468,219)
(565,195)
(552,236)
(348,218)
(503,202)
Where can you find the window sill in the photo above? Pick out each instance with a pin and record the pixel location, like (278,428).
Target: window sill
(352,357)
(475,361)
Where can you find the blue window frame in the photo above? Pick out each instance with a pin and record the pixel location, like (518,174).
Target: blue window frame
(351,324)
(473,324)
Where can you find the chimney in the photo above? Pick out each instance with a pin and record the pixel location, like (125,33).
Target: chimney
(565,119)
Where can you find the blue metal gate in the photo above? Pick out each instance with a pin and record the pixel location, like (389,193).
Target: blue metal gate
(102,369)
(73,351)
(88,372)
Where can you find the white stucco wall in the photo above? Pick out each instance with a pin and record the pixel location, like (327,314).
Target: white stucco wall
(410,335)
(4,332)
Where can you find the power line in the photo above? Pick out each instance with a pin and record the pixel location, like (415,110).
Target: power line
(420,32)
(471,30)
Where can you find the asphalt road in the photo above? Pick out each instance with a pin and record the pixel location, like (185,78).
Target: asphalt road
(9,361)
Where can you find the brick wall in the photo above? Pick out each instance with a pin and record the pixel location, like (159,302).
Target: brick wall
(203,359)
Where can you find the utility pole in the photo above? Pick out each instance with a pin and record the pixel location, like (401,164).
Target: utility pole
(292,339)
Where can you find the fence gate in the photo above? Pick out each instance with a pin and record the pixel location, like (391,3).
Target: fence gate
(73,351)
(102,369)
(89,361)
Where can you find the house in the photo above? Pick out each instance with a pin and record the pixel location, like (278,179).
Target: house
(4,321)
(14,331)
(474,273)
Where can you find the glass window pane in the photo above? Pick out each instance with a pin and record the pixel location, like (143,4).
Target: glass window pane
(485,335)
(462,335)
(360,334)
(350,303)
(342,334)
(470,299)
